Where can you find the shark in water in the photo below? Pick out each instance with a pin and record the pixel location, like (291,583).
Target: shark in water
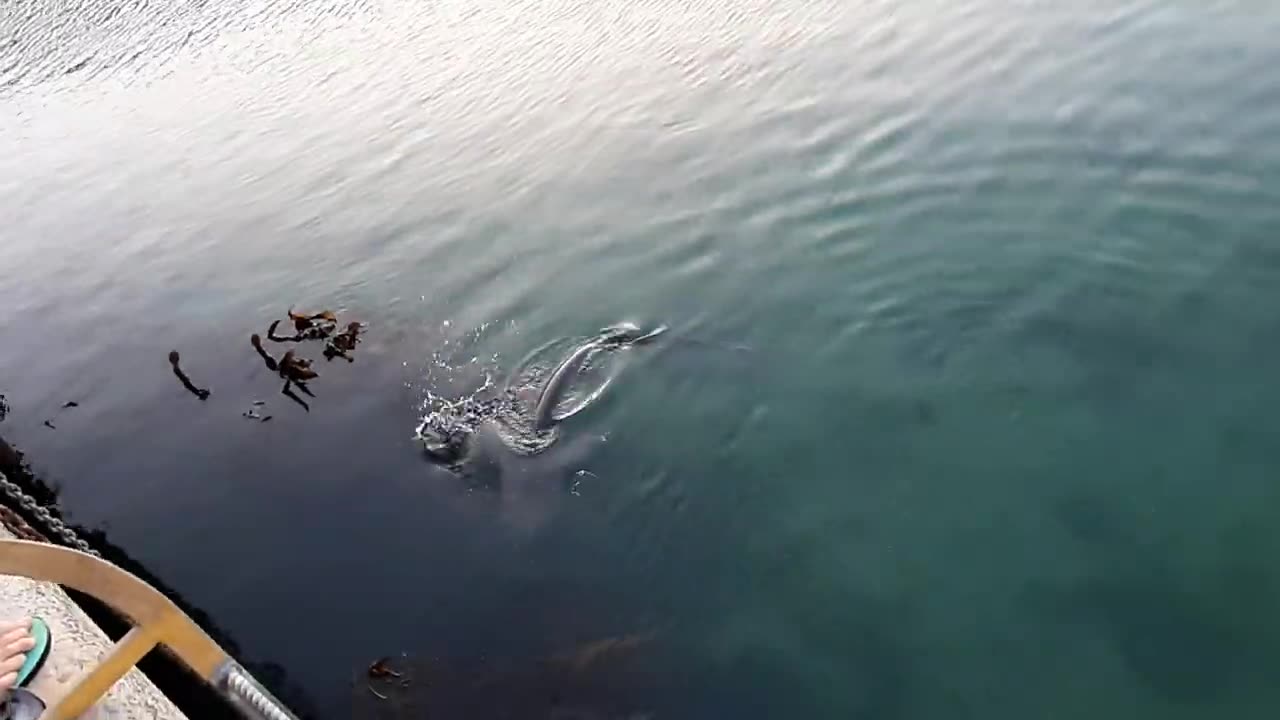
(447,433)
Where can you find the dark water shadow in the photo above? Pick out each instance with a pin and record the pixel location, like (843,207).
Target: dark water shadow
(1187,638)
(875,679)
(1164,635)
(616,685)
(828,647)
(195,698)
(1096,520)
(1112,353)
(527,491)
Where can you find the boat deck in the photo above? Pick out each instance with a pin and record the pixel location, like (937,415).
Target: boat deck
(77,644)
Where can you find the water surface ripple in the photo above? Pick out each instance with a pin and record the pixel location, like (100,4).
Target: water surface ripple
(967,405)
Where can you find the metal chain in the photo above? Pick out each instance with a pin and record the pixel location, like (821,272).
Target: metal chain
(19,527)
(64,533)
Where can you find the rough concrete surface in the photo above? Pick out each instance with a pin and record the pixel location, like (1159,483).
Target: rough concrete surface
(77,644)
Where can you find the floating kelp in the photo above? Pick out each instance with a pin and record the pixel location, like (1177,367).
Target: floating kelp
(174,360)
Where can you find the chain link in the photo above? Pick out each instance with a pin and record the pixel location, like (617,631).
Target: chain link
(41,513)
(19,527)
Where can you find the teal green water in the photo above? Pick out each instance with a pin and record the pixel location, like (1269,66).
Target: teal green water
(967,408)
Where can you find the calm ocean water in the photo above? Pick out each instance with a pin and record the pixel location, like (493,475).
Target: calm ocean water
(967,410)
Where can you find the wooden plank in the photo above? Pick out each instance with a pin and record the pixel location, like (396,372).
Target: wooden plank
(97,680)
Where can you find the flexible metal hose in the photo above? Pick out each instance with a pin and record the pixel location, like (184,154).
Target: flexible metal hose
(249,696)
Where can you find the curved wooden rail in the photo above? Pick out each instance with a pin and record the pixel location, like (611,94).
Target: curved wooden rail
(157,621)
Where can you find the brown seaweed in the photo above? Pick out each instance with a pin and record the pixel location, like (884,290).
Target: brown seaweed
(174,361)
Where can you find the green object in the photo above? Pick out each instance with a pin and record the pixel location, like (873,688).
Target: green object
(37,654)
